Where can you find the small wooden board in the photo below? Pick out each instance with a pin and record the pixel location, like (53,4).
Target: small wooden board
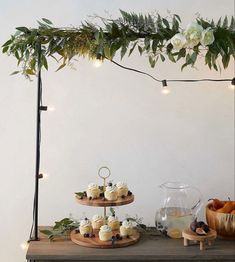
(188,234)
(95,242)
(105,203)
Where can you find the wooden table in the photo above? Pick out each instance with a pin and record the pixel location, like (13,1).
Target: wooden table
(151,247)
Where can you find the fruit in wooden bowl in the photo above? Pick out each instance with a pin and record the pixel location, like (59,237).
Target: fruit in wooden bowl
(220,216)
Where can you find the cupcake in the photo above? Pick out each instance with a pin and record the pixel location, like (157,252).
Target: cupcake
(97,221)
(122,189)
(113,223)
(85,226)
(111,193)
(93,191)
(126,228)
(105,233)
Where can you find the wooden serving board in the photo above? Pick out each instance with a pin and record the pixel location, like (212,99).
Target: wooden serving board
(105,203)
(95,242)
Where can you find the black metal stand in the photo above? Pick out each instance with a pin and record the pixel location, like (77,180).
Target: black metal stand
(38,138)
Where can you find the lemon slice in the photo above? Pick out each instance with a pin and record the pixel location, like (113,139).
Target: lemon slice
(174,233)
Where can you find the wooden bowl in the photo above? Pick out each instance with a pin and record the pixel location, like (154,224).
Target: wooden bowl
(223,223)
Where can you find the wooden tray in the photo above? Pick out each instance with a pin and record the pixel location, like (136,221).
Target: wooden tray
(99,202)
(95,242)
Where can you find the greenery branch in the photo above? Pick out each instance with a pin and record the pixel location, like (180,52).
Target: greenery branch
(157,37)
(61,228)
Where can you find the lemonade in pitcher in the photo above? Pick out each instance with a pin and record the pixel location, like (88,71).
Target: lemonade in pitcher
(178,209)
(172,221)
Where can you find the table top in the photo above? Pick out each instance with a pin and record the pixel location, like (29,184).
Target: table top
(151,247)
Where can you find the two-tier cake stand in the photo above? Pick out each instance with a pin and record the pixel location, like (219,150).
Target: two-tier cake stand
(95,242)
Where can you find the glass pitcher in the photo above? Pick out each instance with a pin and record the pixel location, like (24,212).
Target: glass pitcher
(181,204)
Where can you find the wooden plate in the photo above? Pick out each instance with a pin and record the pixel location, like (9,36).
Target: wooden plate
(99,202)
(95,242)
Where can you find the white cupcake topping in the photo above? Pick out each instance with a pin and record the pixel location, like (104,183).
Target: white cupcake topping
(111,189)
(105,228)
(112,218)
(121,185)
(85,223)
(93,186)
(97,218)
(127,224)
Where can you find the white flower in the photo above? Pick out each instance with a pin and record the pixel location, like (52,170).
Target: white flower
(178,41)
(207,37)
(193,34)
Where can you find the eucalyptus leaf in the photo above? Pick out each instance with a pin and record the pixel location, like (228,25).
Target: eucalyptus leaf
(47,21)
(46,232)
(60,67)
(23,29)
(14,73)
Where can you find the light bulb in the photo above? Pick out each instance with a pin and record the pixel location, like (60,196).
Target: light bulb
(97,63)
(24,245)
(44,176)
(165,91)
(51,108)
(232,85)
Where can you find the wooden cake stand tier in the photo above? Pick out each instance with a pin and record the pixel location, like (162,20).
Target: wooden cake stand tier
(95,242)
(99,202)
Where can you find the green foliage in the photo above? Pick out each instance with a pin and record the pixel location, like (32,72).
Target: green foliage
(139,222)
(61,228)
(148,34)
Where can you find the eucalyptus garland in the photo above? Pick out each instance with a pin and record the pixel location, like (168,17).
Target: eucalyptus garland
(152,35)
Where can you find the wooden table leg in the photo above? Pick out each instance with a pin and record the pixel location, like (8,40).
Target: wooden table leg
(210,242)
(185,242)
(202,245)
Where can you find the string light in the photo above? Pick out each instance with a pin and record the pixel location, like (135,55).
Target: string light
(43,176)
(47,108)
(232,85)
(165,90)
(97,63)
(51,108)
(24,245)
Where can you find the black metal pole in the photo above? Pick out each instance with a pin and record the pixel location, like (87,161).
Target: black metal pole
(38,134)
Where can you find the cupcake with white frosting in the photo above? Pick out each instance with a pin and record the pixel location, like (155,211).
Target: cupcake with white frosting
(85,226)
(113,222)
(111,193)
(122,189)
(105,233)
(126,229)
(93,191)
(97,221)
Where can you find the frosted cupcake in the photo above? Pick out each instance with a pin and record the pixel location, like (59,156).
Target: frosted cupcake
(97,221)
(126,229)
(111,193)
(93,191)
(85,226)
(113,223)
(122,189)
(105,233)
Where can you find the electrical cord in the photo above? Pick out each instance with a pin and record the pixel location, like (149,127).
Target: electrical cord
(164,81)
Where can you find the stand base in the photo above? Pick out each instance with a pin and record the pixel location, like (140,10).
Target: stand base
(188,235)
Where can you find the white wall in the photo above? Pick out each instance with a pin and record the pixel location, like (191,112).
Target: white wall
(109,116)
